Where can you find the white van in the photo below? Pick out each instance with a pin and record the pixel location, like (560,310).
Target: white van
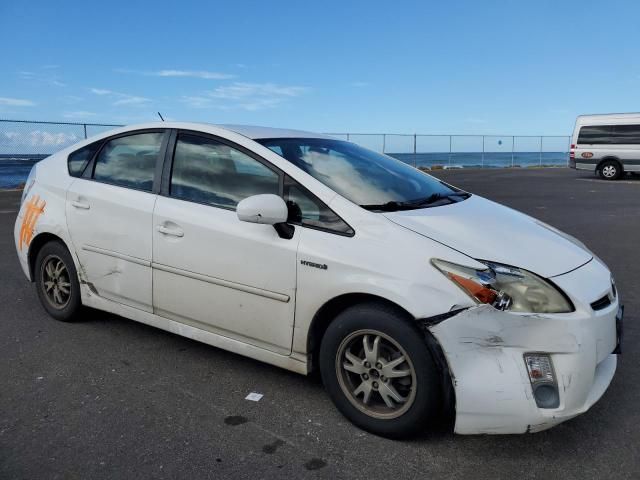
(411,296)
(607,144)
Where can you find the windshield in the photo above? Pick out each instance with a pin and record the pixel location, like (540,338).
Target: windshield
(367,178)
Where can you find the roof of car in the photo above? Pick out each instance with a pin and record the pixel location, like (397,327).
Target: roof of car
(255,132)
(250,131)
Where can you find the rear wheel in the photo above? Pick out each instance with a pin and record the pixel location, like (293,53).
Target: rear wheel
(57,282)
(378,371)
(610,170)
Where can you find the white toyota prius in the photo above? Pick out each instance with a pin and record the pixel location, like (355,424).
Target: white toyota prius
(410,296)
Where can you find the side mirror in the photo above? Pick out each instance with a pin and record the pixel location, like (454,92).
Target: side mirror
(267,209)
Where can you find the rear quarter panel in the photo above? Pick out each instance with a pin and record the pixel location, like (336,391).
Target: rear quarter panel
(48,196)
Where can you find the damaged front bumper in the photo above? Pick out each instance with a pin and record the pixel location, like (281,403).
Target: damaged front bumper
(484,349)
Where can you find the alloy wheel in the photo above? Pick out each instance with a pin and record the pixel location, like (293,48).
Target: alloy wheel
(56,283)
(609,171)
(376,374)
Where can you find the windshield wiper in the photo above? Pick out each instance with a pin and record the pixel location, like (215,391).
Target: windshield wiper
(394,206)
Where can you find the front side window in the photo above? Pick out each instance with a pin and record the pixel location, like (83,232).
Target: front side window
(79,159)
(129,161)
(308,210)
(367,178)
(210,172)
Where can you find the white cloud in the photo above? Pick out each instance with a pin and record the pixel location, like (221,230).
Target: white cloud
(79,114)
(71,99)
(16,102)
(241,90)
(360,84)
(245,96)
(101,91)
(197,102)
(37,138)
(130,100)
(193,74)
(48,77)
(120,99)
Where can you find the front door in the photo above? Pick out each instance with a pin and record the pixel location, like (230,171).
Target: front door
(210,270)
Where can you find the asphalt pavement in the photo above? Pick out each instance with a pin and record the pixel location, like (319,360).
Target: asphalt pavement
(112,398)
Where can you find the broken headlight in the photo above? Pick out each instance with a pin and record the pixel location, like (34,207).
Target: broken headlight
(506,288)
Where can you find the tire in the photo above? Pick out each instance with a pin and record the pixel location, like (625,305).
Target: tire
(610,170)
(348,375)
(57,283)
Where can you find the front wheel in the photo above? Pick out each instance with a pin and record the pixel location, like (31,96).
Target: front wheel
(57,282)
(378,371)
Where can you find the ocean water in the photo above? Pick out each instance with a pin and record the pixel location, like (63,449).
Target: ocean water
(14,169)
(484,160)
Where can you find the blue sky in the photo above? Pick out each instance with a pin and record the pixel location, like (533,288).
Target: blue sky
(501,67)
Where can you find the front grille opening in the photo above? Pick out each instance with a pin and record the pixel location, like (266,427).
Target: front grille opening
(601,303)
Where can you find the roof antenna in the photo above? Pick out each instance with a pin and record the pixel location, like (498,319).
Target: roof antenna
(160,116)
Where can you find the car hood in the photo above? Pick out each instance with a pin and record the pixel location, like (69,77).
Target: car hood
(485,230)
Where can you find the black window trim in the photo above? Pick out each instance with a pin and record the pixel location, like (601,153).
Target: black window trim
(315,227)
(82,173)
(167,168)
(155,188)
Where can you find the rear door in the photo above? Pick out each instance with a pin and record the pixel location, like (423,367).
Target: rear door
(210,270)
(109,216)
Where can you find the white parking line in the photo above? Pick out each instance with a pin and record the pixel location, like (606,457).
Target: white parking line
(609,182)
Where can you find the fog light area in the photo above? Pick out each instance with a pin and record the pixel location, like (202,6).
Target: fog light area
(542,378)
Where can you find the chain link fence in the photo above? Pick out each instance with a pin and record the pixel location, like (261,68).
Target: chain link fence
(23,143)
(471,151)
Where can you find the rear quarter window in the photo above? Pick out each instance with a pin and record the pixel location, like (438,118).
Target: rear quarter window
(609,135)
(77,161)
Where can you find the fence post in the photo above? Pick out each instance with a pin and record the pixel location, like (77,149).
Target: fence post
(513,146)
(85,130)
(540,150)
(415,159)
(384,142)
(347,137)
(450,142)
(482,151)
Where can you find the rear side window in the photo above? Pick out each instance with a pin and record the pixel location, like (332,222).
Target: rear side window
(79,159)
(309,211)
(610,134)
(595,135)
(210,172)
(129,161)
(627,134)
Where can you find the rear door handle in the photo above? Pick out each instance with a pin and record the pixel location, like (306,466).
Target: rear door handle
(175,232)
(81,205)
